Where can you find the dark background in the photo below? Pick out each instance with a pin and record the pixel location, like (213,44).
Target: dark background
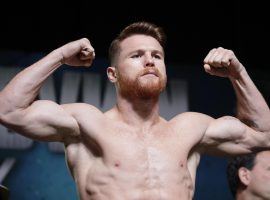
(192,27)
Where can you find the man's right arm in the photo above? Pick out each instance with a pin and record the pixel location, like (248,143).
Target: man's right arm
(42,120)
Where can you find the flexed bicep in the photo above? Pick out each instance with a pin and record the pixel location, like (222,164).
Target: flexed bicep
(42,120)
(229,136)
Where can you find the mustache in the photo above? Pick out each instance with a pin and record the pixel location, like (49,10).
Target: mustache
(150,70)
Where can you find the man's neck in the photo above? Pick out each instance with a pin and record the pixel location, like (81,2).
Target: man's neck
(137,111)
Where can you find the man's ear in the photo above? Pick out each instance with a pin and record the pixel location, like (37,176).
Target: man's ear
(112,74)
(244,175)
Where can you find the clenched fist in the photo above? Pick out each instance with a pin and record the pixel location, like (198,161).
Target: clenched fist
(78,53)
(222,62)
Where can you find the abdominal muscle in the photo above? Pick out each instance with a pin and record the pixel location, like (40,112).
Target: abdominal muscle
(149,175)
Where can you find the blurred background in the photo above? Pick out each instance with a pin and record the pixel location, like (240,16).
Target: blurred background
(35,170)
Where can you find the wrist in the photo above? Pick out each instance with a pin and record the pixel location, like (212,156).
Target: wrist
(240,73)
(58,56)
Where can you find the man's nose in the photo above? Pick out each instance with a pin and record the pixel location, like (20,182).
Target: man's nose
(149,61)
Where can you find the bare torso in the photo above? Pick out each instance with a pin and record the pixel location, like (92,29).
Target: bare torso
(112,161)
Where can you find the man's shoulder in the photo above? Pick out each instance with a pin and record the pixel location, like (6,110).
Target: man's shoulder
(191,117)
(192,123)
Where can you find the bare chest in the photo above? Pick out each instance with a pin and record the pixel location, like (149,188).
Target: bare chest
(123,147)
(129,162)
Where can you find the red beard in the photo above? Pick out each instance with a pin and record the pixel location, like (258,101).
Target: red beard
(142,89)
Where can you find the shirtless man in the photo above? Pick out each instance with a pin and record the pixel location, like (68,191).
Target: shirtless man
(130,152)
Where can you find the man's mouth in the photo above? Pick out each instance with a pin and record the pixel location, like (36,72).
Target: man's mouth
(151,72)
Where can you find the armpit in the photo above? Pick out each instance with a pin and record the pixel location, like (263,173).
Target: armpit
(249,123)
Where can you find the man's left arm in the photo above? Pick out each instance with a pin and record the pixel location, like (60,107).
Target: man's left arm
(252,108)
(229,136)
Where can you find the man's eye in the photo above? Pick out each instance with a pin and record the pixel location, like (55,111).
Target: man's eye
(157,56)
(135,56)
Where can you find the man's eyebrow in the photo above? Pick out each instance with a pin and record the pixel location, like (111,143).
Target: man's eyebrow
(136,50)
(142,50)
(158,52)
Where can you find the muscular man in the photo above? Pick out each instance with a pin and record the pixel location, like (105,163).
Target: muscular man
(249,176)
(130,152)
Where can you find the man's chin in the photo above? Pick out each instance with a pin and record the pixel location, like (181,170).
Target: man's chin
(149,91)
(142,88)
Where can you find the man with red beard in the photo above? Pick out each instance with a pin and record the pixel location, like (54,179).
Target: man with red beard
(130,151)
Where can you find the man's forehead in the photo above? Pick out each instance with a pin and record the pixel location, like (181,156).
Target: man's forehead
(139,42)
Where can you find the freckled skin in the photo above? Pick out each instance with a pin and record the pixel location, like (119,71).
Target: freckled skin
(156,165)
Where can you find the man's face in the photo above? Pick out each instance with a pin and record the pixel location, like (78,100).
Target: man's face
(260,175)
(140,67)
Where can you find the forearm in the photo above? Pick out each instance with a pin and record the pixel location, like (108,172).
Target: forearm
(252,108)
(24,87)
